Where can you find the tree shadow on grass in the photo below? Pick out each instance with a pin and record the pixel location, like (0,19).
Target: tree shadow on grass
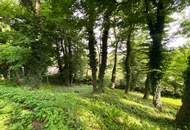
(103,112)
(136,110)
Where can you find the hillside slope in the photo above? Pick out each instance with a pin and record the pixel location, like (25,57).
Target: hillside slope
(61,108)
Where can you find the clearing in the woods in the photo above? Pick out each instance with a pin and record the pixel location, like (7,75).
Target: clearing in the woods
(62,108)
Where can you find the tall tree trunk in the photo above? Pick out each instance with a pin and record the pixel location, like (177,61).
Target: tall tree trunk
(67,57)
(157,98)
(134,78)
(106,26)
(183,115)
(113,77)
(18,80)
(114,67)
(37,48)
(92,55)
(134,70)
(92,51)
(155,64)
(147,87)
(36,66)
(70,62)
(128,61)
(156,29)
(91,45)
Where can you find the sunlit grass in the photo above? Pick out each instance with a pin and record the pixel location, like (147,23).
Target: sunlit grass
(6,108)
(76,107)
(171,101)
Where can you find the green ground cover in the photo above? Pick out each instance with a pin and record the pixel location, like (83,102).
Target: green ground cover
(65,108)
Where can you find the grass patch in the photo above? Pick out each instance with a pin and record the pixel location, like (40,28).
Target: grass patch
(64,108)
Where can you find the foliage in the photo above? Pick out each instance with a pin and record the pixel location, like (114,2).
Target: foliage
(61,108)
(38,34)
(173,77)
(14,56)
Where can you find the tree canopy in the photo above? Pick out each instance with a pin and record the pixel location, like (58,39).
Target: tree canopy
(118,44)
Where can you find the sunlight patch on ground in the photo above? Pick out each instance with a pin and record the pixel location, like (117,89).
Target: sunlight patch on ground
(5,112)
(171,101)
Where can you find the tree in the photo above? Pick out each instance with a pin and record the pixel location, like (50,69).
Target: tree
(105,35)
(128,60)
(113,77)
(13,58)
(156,29)
(66,36)
(132,16)
(91,18)
(147,87)
(183,115)
(156,13)
(31,18)
(173,81)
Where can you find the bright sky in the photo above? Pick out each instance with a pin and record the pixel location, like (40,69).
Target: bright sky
(174,27)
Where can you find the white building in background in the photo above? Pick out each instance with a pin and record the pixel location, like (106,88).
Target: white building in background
(52,70)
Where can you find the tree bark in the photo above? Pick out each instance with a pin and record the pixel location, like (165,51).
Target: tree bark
(157,98)
(114,67)
(67,61)
(92,50)
(156,29)
(92,55)
(103,65)
(70,62)
(147,87)
(37,47)
(183,115)
(128,61)
(134,78)
(18,80)
(113,78)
